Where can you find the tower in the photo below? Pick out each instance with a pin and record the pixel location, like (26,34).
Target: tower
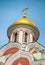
(23,30)
(23,48)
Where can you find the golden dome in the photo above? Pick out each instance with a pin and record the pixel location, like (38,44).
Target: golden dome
(23,20)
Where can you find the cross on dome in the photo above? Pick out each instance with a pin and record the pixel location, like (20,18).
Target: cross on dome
(24,11)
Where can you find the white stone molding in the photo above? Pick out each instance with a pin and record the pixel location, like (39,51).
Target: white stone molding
(17,55)
(11,38)
(38,45)
(23,36)
(4,58)
(31,37)
(8,46)
(40,62)
(33,45)
(30,45)
(28,38)
(20,36)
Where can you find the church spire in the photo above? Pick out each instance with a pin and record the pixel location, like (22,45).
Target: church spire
(24,11)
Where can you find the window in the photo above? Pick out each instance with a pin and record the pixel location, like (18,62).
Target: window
(15,37)
(25,37)
(33,38)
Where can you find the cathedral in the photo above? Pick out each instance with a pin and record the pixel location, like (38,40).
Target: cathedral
(22,48)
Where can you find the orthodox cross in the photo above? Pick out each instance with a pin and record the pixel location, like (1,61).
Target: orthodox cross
(24,10)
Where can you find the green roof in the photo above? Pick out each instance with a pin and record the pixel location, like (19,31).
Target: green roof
(34,58)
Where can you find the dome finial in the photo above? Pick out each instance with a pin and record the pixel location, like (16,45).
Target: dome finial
(24,10)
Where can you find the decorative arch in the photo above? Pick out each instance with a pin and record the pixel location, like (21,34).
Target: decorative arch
(20,57)
(31,48)
(21,61)
(10,48)
(11,51)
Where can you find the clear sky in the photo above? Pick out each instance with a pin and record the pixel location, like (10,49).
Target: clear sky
(10,10)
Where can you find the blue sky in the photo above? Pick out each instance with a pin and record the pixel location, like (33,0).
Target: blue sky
(10,10)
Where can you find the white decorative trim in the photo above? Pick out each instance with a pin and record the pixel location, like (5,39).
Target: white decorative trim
(11,38)
(31,37)
(8,46)
(19,54)
(30,45)
(20,36)
(4,58)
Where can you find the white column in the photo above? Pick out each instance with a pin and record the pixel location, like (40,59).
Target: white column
(20,36)
(31,38)
(11,38)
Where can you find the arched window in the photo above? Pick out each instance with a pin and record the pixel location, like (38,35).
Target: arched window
(33,38)
(15,37)
(25,37)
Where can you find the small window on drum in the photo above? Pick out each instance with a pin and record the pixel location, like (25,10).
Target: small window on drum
(15,37)
(25,37)
(33,38)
